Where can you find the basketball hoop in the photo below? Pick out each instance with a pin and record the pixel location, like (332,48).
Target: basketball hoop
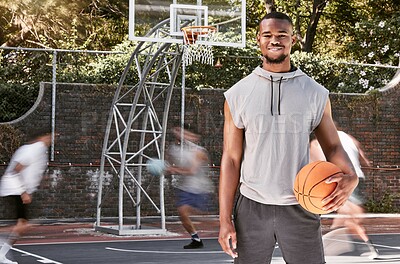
(198,51)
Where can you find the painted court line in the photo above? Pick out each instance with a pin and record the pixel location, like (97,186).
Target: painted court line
(360,243)
(41,259)
(164,252)
(109,241)
(367,215)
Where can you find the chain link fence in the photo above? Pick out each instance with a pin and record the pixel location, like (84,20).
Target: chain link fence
(22,69)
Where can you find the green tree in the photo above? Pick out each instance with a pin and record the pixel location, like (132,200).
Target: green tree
(98,24)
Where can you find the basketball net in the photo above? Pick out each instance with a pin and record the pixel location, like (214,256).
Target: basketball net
(193,51)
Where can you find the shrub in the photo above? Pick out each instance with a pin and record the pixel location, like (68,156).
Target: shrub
(386,204)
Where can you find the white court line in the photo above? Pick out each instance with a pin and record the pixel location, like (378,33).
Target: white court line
(360,243)
(367,215)
(41,259)
(110,241)
(164,252)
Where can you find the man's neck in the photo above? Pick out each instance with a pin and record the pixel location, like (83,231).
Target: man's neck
(282,67)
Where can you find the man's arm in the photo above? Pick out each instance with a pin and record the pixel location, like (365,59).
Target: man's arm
(229,181)
(26,197)
(316,153)
(328,138)
(364,161)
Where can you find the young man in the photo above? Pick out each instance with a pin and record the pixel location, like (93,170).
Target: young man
(21,179)
(269,116)
(189,164)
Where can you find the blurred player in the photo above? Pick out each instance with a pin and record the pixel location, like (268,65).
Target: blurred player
(189,165)
(21,179)
(352,208)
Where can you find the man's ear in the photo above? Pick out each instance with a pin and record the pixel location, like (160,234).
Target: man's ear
(294,39)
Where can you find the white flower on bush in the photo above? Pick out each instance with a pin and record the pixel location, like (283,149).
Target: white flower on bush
(371,54)
(382,24)
(341,84)
(362,73)
(364,83)
(371,88)
(397,54)
(364,44)
(385,48)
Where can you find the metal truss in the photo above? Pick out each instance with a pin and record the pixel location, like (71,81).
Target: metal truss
(135,133)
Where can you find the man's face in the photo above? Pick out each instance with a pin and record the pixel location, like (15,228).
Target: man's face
(275,40)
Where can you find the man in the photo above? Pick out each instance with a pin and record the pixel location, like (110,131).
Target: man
(269,116)
(189,164)
(352,208)
(21,179)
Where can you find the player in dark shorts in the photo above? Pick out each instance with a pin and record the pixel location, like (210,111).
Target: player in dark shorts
(20,180)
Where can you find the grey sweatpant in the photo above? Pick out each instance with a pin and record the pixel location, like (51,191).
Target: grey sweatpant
(260,226)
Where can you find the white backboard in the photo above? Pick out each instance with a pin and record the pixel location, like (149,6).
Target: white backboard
(227,16)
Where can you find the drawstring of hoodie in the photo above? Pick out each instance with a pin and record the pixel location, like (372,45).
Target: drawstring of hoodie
(279,95)
(272,95)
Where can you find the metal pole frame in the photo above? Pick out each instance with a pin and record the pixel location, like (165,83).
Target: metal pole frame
(146,77)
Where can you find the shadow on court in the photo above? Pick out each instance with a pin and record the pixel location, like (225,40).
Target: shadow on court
(74,243)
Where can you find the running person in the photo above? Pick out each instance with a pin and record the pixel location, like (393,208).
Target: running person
(21,179)
(269,116)
(352,208)
(189,164)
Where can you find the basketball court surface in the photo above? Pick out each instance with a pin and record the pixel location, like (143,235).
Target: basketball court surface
(77,242)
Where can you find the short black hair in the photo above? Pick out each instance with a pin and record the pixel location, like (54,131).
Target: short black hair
(34,135)
(277,15)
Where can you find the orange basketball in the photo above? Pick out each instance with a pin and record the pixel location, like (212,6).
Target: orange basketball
(310,187)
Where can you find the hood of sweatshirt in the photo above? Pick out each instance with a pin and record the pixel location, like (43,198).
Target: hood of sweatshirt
(276,79)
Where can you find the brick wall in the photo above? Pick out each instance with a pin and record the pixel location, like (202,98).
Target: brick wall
(70,185)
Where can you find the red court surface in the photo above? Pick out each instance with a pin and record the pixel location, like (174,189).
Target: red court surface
(69,230)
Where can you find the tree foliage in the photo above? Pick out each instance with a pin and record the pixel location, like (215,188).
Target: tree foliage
(330,33)
(98,24)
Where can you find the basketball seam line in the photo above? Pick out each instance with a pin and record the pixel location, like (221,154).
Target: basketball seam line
(305,180)
(321,181)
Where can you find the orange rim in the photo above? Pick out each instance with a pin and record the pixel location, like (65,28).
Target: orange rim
(191,33)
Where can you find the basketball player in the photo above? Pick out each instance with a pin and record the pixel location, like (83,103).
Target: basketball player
(353,206)
(269,116)
(21,179)
(189,164)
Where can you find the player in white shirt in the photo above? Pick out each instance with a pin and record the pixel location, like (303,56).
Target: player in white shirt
(20,180)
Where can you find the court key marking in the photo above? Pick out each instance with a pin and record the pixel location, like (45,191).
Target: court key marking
(41,259)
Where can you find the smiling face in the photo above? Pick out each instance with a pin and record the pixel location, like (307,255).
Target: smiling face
(276,40)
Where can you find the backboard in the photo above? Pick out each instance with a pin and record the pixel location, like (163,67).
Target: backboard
(227,16)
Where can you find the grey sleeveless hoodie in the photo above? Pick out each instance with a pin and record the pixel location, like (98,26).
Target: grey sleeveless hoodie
(277,111)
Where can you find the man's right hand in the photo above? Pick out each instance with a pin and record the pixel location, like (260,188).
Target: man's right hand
(227,238)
